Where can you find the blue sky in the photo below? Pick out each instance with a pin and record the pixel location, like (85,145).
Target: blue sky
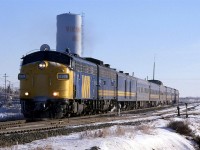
(126,34)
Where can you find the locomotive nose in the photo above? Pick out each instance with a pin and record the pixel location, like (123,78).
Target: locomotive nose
(41,83)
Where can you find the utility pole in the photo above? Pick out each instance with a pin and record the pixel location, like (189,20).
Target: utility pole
(9,89)
(5,76)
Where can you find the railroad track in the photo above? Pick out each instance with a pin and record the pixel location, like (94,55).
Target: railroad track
(12,126)
(22,126)
(25,132)
(8,124)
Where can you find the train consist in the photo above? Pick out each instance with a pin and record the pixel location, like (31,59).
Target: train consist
(59,84)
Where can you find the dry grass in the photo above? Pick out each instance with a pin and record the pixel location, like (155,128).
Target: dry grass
(94,134)
(120,131)
(145,129)
(102,133)
(183,128)
(180,127)
(117,131)
(197,140)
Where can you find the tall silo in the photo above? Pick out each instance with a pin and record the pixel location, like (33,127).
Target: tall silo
(69,31)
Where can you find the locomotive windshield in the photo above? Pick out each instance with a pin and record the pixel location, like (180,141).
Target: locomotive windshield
(48,56)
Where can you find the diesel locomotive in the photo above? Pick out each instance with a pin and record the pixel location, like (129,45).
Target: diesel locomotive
(60,84)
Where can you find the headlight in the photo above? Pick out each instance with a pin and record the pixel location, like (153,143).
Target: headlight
(26,93)
(21,76)
(55,94)
(42,65)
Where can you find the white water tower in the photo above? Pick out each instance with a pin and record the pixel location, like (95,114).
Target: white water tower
(69,31)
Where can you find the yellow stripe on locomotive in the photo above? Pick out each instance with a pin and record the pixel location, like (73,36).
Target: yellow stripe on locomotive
(85,86)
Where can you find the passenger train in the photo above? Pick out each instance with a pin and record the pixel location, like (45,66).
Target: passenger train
(60,84)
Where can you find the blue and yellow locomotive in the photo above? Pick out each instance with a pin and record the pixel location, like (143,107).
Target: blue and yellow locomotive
(59,84)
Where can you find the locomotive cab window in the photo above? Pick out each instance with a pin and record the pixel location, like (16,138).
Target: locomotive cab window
(62,76)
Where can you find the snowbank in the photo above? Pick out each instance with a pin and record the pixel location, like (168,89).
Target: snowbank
(153,135)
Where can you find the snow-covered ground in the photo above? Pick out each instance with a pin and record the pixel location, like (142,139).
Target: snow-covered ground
(148,136)
(11,112)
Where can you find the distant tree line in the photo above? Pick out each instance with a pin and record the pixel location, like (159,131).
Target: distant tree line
(189,99)
(9,91)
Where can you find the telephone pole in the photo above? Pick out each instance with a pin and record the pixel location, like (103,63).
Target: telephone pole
(9,88)
(5,76)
